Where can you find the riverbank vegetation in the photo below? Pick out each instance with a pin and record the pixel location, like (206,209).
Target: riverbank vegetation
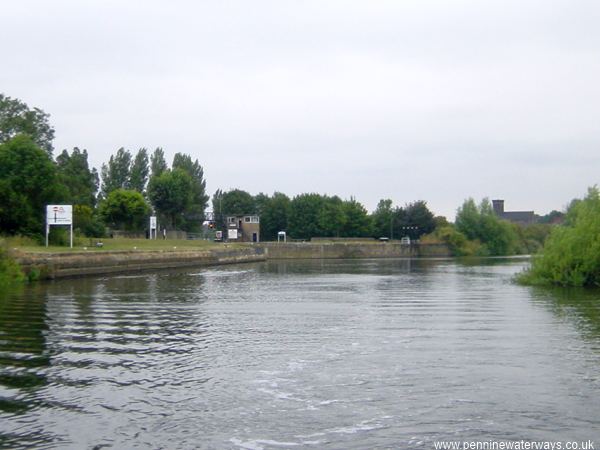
(131,186)
(571,254)
(10,272)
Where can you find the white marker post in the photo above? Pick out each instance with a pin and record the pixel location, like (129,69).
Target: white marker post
(59,215)
(153,228)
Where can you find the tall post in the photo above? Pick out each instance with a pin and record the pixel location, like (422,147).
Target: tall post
(71,227)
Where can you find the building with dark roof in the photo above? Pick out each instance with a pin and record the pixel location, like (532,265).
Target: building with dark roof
(520,217)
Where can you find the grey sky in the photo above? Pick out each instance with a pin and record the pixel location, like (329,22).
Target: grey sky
(405,99)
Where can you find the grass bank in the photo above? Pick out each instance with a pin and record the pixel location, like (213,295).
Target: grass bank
(24,245)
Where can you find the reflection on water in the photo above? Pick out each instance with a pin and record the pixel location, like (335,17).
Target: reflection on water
(577,306)
(321,354)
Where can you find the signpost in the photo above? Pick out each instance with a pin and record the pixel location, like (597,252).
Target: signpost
(59,215)
(153,228)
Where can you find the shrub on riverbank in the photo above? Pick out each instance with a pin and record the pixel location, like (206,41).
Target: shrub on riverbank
(479,223)
(457,242)
(10,272)
(571,254)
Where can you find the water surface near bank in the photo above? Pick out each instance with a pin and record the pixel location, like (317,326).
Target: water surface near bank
(319,354)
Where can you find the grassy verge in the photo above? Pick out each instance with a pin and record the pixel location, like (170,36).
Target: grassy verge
(117,244)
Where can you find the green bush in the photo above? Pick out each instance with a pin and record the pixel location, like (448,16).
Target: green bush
(571,254)
(10,271)
(479,223)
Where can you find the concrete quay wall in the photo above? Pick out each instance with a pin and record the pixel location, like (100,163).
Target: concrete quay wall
(90,263)
(344,250)
(73,264)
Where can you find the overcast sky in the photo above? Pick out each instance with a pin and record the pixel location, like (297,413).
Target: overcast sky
(404,99)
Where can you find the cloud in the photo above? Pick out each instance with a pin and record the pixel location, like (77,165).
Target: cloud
(415,99)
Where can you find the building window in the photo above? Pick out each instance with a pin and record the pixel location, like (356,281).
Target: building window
(254,219)
(247,219)
(231,220)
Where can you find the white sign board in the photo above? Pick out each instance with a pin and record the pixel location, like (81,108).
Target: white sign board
(59,214)
(153,227)
(232,234)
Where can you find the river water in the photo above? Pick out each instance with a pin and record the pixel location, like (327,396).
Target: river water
(313,354)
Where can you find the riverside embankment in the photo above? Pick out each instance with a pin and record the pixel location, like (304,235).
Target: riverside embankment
(73,264)
(350,250)
(89,263)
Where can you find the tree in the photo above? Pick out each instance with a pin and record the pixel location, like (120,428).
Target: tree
(75,174)
(237,202)
(194,214)
(28,182)
(331,217)
(357,221)
(158,164)
(382,219)
(86,222)
(124,209)
(261,201)
(571,254)
(138,173)
(553,217)
(274,214)
(171,194)
(480,223)
(305,210)
(418,219)
(115,174)
(17,118)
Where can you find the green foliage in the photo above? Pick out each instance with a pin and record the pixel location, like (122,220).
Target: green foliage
(236,202)
(59,236)
(75,174)
(553,217)
(158,164)
(171,194)
(531,237)
(416,219)
(457,242)
(138,172)
(479,223)
(115,174)
(28,182)
(331,217)
(571,254)
(86,223)
(274,213)
(193,215)
(315,215)
(413,220)
(17,118)
(383,219)
(125,210)
(10,271)
(304,220)
(357,221)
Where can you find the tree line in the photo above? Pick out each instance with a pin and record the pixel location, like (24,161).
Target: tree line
(132,185)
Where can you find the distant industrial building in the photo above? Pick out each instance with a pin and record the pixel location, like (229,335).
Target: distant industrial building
(243,228)
(520,217)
